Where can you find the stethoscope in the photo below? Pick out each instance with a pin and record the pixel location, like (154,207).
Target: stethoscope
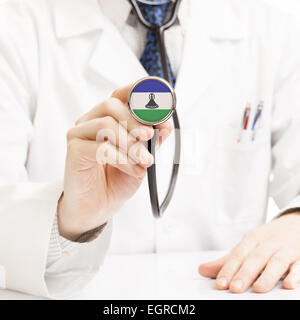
(158,209)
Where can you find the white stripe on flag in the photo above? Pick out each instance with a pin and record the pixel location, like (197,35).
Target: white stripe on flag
(139,100)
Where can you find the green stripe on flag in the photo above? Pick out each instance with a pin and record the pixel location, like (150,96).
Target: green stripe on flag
(152,115)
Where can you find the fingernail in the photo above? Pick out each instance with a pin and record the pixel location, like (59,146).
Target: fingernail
(222,282)
(147,133)
(294,283)
(237,284)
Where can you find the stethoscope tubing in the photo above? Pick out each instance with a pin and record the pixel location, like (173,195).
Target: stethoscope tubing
(158,209)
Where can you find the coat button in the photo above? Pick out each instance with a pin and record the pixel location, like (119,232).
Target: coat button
(65,253)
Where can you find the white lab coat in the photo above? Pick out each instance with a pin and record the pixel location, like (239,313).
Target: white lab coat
(59,58)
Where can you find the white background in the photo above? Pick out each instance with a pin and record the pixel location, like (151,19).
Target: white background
(289,6)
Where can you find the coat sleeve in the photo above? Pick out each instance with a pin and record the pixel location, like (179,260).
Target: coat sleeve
(285,186)
(28,209)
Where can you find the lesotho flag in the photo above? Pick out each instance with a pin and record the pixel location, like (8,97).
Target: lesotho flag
(152,101)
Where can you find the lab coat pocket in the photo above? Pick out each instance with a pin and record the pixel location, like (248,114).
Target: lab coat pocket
(241,175)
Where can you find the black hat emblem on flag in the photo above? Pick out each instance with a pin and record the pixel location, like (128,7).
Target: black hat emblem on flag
(152,104)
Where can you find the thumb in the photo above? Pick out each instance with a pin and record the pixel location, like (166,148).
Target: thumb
(212,268)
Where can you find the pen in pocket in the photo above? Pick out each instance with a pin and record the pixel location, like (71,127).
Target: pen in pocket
(245,121)
(256,119)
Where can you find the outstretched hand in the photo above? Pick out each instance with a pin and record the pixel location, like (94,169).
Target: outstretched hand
(261,259)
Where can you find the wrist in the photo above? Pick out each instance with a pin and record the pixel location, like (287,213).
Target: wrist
(78,226)
(64,227)
(74,228)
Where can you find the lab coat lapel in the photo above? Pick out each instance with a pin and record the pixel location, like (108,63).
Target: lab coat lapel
(114,60)
(111,58)
(211,23)
(76,17)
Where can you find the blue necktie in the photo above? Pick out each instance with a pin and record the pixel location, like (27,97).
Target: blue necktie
(156,14)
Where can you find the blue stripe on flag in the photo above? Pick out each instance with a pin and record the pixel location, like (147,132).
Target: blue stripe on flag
(151,86)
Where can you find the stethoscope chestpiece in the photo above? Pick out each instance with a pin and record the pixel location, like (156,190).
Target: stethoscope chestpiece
(152,101)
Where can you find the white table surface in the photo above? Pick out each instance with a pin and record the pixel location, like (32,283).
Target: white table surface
(161,276)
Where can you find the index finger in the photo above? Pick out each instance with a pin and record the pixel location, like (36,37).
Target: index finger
(122,93)
(164,128)
(234,262)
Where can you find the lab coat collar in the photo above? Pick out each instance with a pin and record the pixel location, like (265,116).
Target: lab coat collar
(117,11)
(76,17)
(120,17)
(208,22)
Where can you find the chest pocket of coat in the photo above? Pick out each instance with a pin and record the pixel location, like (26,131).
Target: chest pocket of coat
(241,176)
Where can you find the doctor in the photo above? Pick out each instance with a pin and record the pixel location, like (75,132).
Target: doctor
(65,67)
